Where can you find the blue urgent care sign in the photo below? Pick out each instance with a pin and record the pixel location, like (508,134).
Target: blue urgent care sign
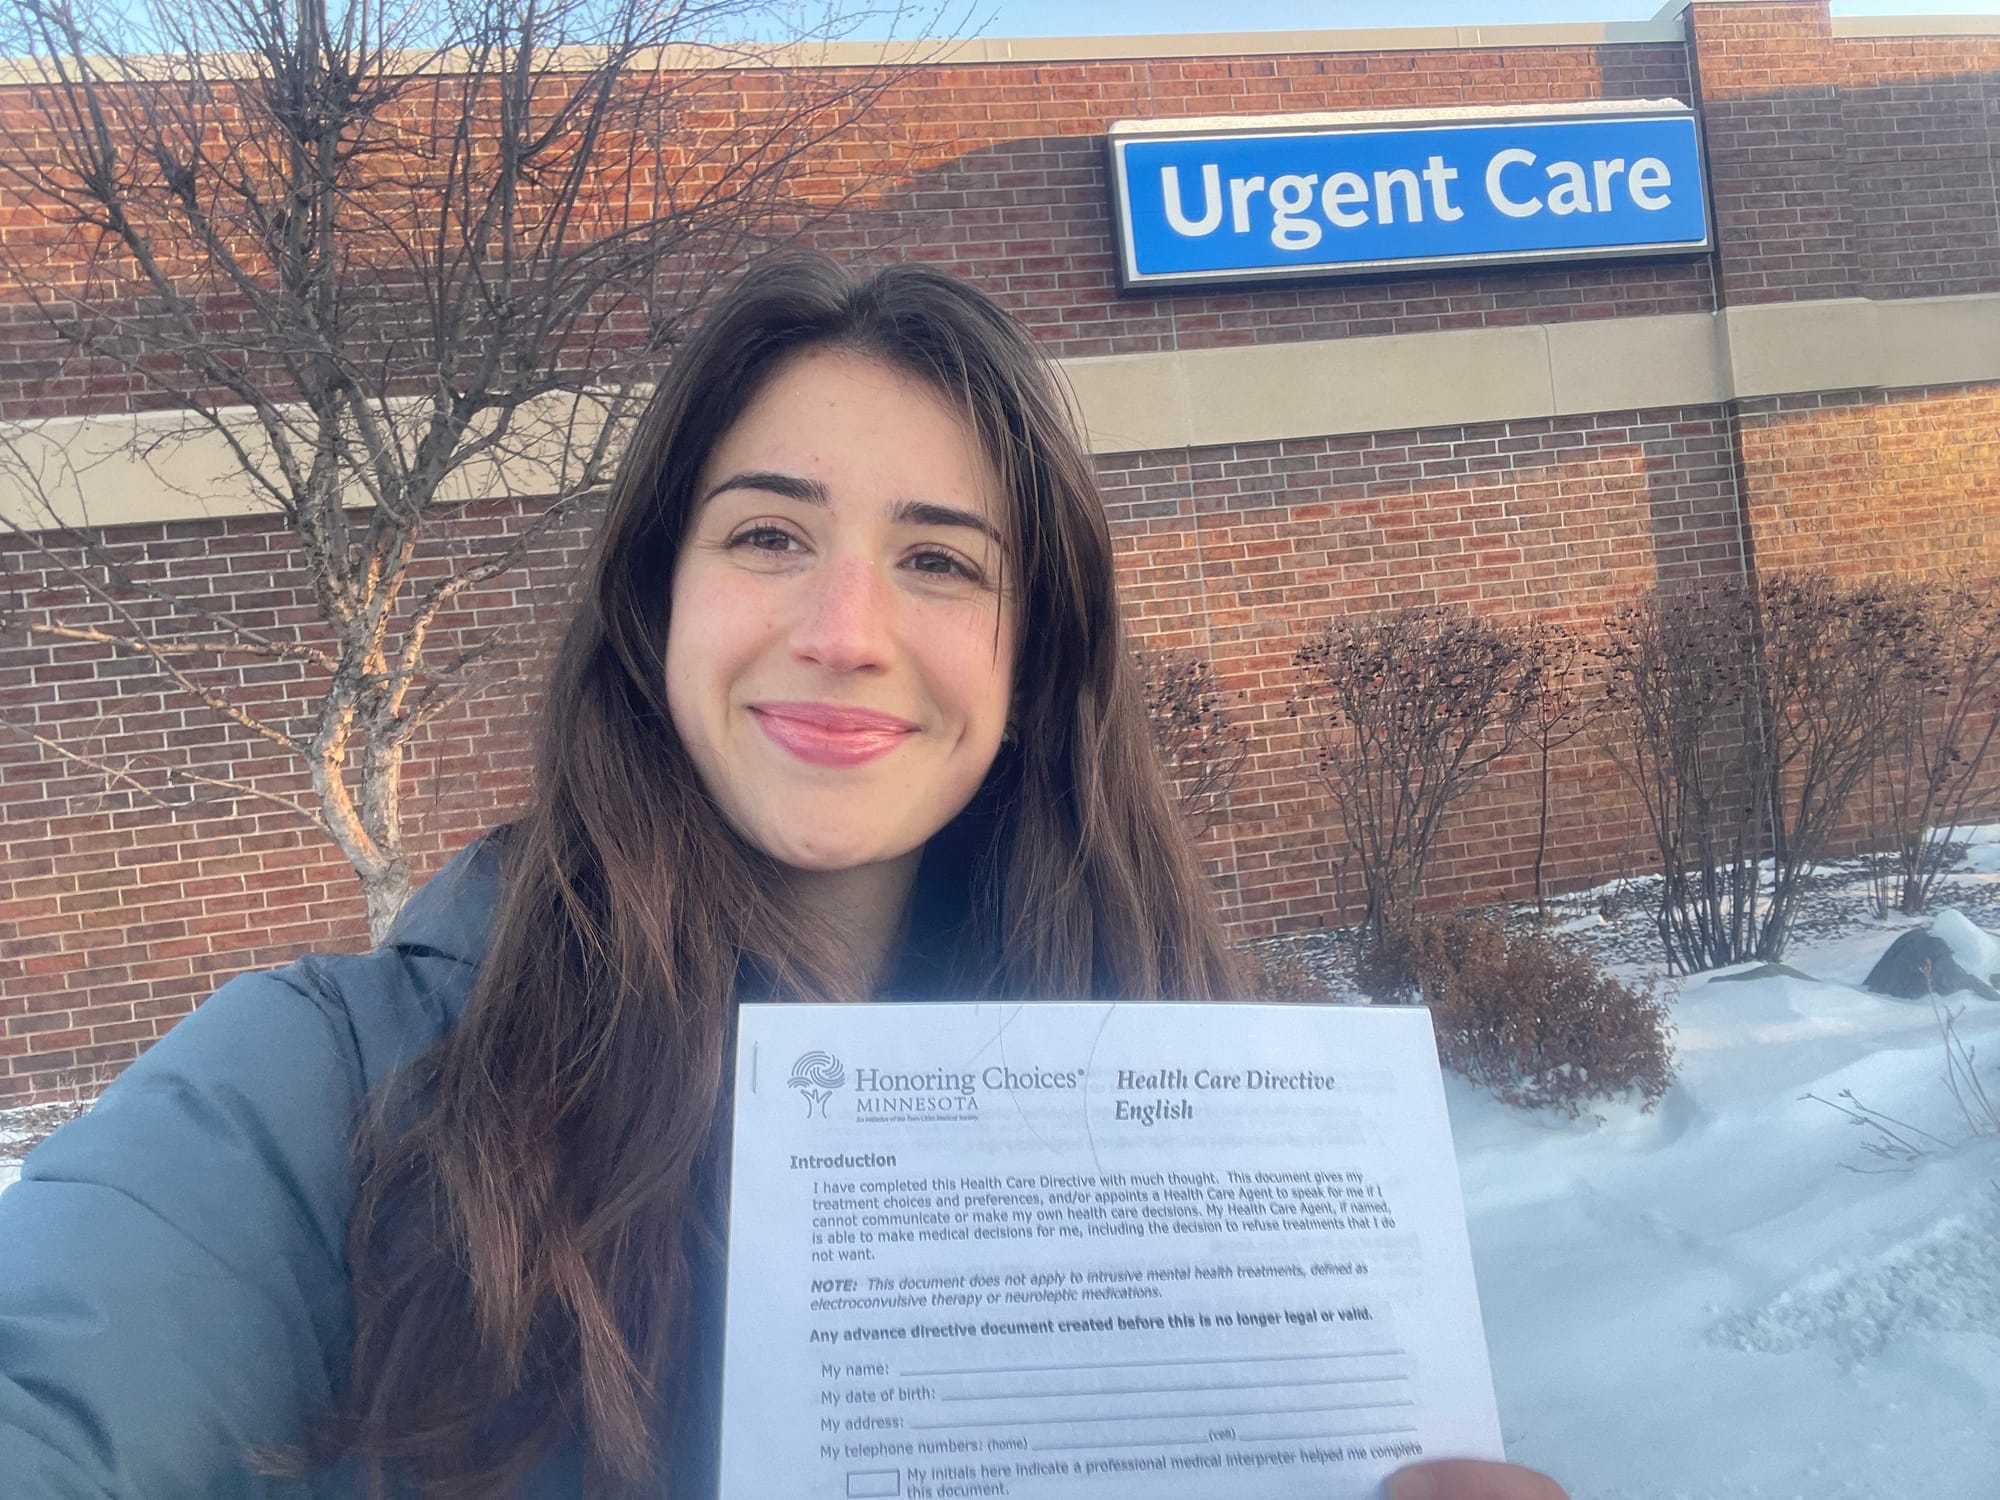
(1219,201)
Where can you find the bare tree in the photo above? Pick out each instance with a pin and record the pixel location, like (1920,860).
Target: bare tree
(388,259)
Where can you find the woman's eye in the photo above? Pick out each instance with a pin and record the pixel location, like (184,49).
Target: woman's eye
(765,539)
(942,564)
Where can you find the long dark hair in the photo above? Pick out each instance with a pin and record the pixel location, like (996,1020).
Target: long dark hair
(539,1193)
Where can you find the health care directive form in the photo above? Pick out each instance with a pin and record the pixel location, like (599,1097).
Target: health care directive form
(1101,1251)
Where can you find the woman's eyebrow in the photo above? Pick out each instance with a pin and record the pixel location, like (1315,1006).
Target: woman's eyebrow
(790,486)
(930,513)
(812,492)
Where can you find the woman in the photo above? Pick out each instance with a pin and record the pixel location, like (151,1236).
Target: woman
(843,713)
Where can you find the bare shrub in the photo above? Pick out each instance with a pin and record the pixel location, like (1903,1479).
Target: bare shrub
(1406,711)
(1569,695)
(1201,746)
(1680,684)
(1747,719)
(1943,717)
(1897,1144)
(1529,1015)
(25,1126)
(1385,969)
(1961,1079)
(1831,651)
(1280,973)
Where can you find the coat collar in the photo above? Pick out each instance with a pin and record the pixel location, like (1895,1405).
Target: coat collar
(451,915)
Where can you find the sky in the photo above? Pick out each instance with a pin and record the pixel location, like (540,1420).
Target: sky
(1153,17)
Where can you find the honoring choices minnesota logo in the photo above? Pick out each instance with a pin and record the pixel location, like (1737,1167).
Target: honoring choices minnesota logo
(817,1075)
(936,1095)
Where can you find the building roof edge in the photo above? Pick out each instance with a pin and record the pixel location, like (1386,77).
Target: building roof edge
(1852,28)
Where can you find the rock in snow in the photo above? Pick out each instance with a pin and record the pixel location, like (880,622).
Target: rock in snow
(1761,971)
(1921,963)
(1976,949)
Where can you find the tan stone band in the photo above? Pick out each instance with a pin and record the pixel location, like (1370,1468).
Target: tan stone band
(1202,398)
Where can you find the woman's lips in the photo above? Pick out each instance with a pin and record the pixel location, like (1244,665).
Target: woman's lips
(829,734)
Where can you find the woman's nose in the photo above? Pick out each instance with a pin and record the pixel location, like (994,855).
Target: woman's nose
(844,623)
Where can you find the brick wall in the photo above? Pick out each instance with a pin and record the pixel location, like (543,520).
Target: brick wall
(118,915)
(1237,552)
(1866,483)
(1842,167)
(1001,173)
(998,170)
(1857,167)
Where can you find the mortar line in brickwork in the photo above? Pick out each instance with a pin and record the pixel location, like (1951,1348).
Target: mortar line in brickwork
(1233,863)
(1991,116)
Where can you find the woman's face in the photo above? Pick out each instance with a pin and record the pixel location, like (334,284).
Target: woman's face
(840,658)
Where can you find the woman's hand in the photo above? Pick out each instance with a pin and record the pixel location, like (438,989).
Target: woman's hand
(1471,1479)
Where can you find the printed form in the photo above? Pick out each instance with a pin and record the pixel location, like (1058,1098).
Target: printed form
(1104,1251)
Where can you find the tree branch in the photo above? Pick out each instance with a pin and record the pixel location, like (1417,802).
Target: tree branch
(122,775)
(155,647)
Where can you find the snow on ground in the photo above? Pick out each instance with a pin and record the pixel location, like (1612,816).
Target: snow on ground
(1733,1297)
(24,1125)
(19,1129)
(1711,1302)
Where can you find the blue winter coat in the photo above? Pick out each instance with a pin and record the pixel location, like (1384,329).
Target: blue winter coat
(173,1282)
